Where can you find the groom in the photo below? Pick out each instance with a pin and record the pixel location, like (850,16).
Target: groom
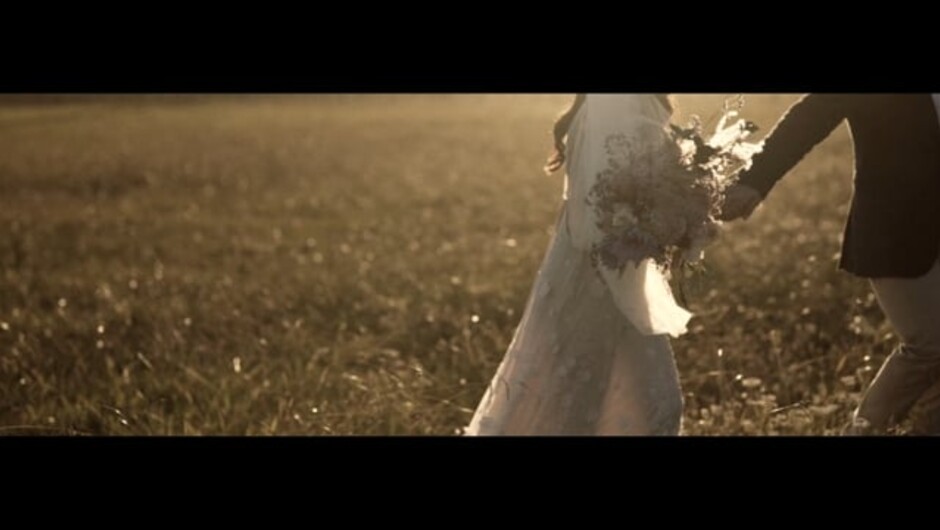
(892,236)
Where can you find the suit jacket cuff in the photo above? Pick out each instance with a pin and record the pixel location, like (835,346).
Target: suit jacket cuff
(755,181)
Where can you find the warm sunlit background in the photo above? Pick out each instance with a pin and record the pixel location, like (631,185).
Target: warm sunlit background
(357,265)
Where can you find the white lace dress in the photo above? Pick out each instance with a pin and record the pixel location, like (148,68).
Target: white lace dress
(591,355)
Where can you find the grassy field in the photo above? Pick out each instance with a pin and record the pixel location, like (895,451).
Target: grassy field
(358,264)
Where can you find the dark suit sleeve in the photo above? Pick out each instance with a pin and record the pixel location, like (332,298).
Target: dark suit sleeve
(807,123)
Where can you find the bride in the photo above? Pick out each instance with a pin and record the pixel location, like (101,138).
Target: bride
(591,355)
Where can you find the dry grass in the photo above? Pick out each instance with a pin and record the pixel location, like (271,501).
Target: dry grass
(312,265)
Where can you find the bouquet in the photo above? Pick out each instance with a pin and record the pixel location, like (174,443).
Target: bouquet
(661,202)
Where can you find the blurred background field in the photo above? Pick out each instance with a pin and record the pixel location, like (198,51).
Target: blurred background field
(357,265)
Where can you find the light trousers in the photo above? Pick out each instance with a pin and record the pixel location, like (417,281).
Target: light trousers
(912,371)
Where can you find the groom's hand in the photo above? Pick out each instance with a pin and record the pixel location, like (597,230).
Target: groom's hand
(740,202)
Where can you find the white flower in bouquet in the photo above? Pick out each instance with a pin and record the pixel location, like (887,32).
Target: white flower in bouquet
(661,202)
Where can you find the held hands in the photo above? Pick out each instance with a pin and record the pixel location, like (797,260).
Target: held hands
(740,202)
